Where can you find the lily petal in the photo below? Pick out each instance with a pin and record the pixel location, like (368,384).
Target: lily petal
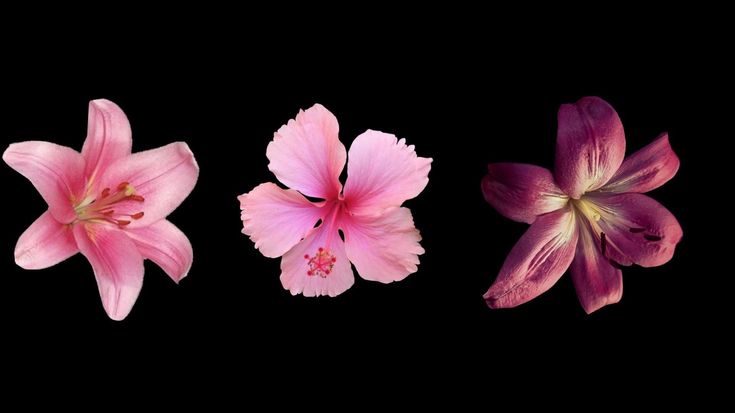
(383,172)
(522,192)
(306,154)
(385,247)
(164,244)
(597,282)
(56,171)
(45,243)
(590,146)
(639,227)
(646,169)
(164,177)
(296,264)
(277,219)
(537,261)
(117,265)
(108,137)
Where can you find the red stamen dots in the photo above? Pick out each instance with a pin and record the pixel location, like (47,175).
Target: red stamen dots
(322,264)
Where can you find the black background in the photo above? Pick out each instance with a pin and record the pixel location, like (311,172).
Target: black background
(463,99)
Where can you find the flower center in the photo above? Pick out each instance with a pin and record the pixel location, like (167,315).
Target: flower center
(598,215)
(321,264)
(102,208)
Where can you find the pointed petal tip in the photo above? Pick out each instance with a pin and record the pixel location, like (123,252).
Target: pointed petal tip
(186,153)
(595,305)
(495,302)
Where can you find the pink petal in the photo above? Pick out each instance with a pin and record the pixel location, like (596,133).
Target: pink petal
(296,264)
(117,265)
(56,171)
(521,192)
(383,172)
(277,219)
(164,244)
(537,261)
(45,243)
(639,227)
(646,169)
(108,137)
(164,177)
(590,145)
(385,247)
(598,283)
(306,154)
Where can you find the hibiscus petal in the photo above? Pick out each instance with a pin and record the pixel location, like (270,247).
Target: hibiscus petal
(108,137)
(597,282)
(277,219)
(646,169)
(590,145)
(45,243)
(383,172)
(56,171)
(164,177)
(306,154)
(164,244)
(385,247)
(639,227)
(521,192)
(537,261)
(306,257)
(117,265)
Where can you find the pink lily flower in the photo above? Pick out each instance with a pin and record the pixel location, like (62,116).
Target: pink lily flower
(591,214)
(108,204)
(363,224)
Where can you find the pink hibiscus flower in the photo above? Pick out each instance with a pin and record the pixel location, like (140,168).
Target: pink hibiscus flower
(108,204)
(379,236)
(590,214)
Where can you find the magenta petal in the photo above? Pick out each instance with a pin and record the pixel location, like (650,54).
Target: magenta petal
(537,261)
(639,227)
(383,247)
(383,172)
(56,171)
(277,219)
(164,244)
(45,243)
(590,146)
(597,282)
(108,137)
(164,177)
(306,256)
(117,265)
(521,192)
(306,154)
(646,169)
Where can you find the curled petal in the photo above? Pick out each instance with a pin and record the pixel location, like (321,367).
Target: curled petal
(521,192)
(163,177)
(537,261)
(56,171)
(45,243)
(597,281)
(590,146)
(640,228)
(117,265)
(306,154)
(383,172)
(307,270)
(164,244)
(277,219)
(108,137)
(647,169)
(385,247)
